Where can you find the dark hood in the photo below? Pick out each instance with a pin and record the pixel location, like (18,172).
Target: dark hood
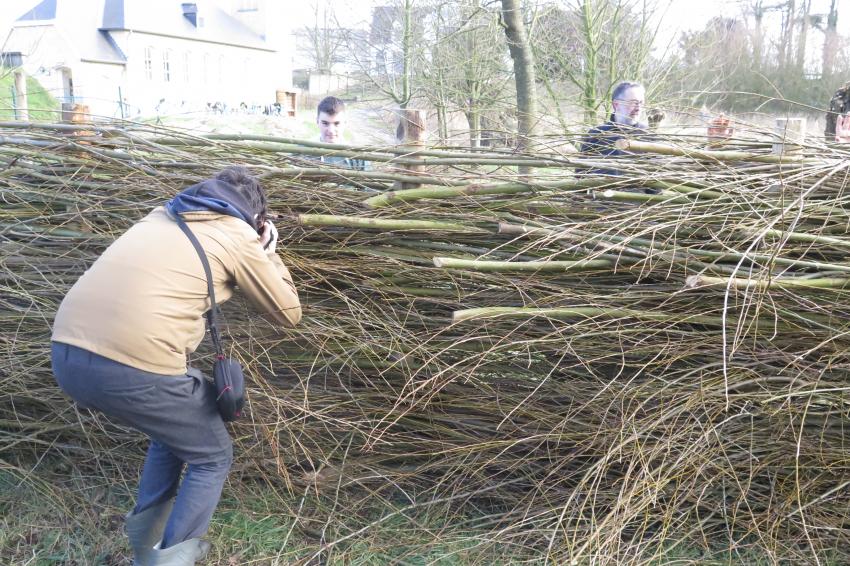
(215,196)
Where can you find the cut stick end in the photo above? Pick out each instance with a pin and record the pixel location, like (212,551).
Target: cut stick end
(693,281)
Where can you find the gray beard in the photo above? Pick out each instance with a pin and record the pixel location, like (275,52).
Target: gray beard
(628,121)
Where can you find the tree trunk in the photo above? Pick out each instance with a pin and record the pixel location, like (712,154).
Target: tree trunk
(474,119)
(473,115)
(758,39)
(442,123)
(786,45)
(523,58)
(407,54)
(20,90)
(411,135)
(830,42)
(438,92)
(803,38)
(591,70)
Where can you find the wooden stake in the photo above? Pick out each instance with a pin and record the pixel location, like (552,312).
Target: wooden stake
(411,134)
(21,103)
(790,135)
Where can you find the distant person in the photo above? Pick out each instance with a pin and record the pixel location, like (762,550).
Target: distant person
(123,332)
(331,118)
(628,100)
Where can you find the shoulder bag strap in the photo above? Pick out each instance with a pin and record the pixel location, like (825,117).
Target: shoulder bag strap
(211,314)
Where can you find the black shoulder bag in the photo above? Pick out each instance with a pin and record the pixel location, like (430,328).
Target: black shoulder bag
(227,373)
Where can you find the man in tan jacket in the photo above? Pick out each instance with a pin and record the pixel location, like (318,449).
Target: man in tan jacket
(123,332)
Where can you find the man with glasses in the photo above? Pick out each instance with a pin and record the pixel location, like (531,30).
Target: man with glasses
(629,100)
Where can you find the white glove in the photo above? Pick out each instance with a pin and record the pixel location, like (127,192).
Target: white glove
(268,238)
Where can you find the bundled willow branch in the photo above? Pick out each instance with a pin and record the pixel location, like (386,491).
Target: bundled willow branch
(601,376)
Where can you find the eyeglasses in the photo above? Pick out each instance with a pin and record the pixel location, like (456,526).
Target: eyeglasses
(632,103)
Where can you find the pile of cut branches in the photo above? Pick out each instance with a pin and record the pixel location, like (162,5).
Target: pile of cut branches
(601,372)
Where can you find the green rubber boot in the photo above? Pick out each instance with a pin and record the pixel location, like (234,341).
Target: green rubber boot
(145,530)
(184,554)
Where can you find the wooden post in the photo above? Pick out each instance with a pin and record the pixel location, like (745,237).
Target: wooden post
(21,105)
(75,113)
(790,135)
(287,101)
(719,130)
(410,134)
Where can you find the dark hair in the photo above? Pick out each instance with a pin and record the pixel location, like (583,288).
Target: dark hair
(330,105)
(622,87)
(249,187)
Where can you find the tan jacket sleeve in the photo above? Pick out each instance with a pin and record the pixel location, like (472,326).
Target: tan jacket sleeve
(267,283)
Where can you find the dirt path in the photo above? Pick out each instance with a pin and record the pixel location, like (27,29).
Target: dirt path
(366,125)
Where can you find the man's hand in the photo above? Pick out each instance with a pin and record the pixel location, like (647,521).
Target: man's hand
(842,129)
(268,237)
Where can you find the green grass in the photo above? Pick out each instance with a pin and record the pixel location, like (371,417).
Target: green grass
(42,106)
(54,513)
(267,527)
(51,517)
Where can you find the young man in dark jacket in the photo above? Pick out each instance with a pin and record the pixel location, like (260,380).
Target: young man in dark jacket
(123,332)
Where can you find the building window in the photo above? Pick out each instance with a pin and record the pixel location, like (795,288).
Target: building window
(187,67)
(166,65)
(149,63)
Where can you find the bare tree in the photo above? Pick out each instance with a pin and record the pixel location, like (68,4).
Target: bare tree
(389,56)
(731,57)
(588,45)
(830,41)
(524,75)
(320,42)
(803,35)
(466,69)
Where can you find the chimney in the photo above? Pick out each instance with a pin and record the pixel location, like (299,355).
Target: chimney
(190,12)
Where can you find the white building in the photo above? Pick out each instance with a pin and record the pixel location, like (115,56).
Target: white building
(125,57)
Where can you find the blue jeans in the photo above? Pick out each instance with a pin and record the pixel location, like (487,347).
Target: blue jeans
(178,413)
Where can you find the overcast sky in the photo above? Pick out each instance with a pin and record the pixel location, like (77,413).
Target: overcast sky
(678,15)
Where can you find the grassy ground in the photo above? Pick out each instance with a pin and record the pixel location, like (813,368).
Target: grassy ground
(42,106)
(55,513)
